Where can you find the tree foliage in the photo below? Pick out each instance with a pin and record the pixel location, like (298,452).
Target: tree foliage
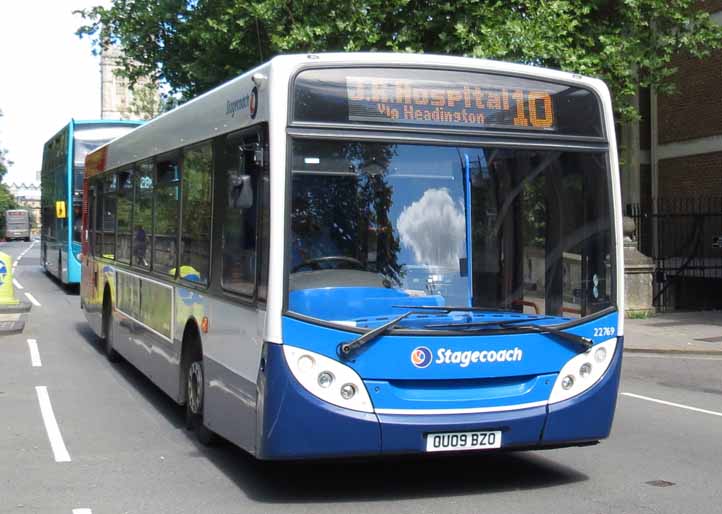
(193,45)
(7,200)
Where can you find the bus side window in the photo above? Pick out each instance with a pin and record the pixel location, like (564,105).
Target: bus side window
(98,220)
(165,228)
(240,214)
(143,214)
(197,205)
(90,235)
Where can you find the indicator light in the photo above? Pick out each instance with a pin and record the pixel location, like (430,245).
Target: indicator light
(600,354)
(306,363)
(325,379)
(567,382)
(348,391)
(585,370)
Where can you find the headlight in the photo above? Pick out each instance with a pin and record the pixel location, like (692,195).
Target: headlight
(328,379)
(579,374)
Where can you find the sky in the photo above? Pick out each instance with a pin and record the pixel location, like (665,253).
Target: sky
(47,76)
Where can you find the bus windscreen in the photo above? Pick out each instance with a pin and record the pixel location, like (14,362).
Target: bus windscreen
(444,99)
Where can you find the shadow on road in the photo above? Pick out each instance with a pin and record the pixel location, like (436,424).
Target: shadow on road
(69,289)
(374,479)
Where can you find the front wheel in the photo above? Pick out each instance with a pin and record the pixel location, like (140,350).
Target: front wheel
(195,395)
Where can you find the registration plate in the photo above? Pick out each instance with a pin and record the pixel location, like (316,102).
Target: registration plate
(457,441)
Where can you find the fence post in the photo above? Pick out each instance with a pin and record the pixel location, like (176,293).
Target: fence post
(638,275)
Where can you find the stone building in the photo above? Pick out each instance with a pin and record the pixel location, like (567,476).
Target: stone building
(118,100)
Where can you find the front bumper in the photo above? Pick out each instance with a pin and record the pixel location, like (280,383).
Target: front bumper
(294,424)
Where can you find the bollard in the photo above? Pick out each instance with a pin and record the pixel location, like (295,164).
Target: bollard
(8,301)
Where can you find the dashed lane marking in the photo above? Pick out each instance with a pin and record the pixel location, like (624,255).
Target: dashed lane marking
(33,300)
(672,404)
(51,425)
(82,511)
(34,353)
(17,284)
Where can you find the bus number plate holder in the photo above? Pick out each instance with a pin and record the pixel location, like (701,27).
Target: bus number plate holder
(460,441)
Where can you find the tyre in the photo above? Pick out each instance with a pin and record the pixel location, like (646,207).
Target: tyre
(195,396)
(107,337)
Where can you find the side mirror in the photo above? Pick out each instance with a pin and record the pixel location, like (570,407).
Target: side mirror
(240,194)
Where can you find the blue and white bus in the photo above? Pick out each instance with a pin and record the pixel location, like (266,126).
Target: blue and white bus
(363,254)
(61,184)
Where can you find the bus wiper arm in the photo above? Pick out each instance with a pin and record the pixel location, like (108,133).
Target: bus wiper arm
(582,341)
(345,350)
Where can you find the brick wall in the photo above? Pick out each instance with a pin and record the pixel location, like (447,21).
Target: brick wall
(695,109)
(696,175)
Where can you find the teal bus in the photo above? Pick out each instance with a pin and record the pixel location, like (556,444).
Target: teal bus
(62,188)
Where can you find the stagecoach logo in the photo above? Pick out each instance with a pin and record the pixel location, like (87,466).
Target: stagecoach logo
(421,357)
(249,102)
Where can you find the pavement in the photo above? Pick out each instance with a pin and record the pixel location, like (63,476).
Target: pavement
(675,332)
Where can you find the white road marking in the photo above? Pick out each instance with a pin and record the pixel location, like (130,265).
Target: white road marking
(672,404)
(51,426)
(33,300)
(34,353)
(17,284)
(82,511)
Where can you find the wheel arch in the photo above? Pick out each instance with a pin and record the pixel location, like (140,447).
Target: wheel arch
(191,344)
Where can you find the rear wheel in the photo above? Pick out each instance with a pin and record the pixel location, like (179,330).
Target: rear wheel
(195,396)
(107,337)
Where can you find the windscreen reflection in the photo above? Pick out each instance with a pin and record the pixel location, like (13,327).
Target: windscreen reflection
(377,225)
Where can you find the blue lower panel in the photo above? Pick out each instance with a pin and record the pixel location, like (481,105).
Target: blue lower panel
(294,424)
(589,416)
(407,433)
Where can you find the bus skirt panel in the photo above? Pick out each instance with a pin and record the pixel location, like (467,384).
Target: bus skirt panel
(294,424)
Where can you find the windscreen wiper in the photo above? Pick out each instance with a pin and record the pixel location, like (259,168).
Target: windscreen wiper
(511,325)
(344,350)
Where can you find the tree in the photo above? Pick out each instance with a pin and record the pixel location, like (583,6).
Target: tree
(7,200)
(193,45)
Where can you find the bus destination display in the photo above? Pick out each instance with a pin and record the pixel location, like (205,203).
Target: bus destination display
(440,99)
(406,101)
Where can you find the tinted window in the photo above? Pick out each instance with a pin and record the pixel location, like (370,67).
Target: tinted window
(264,234)
(165,234)
(243,164)
(195,240)
(97,239)
(143,214)
(109,212)
(92,210)
(124,208)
